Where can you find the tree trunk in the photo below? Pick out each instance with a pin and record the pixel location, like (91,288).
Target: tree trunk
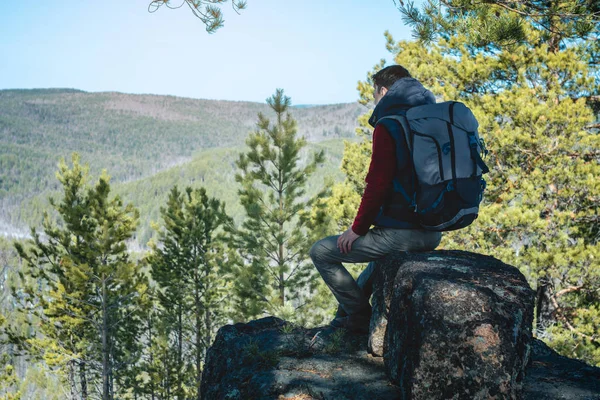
(167,377)
(111,375)
(280,255)
(208,327)
(179,350)
(111,380)
(281,280)
(83,379)
(72,380)
(151,355)
(199,378)
(198,343)
(105,366)
(543,307)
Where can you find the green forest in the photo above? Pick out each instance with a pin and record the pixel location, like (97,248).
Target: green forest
(156,220)
(140,140)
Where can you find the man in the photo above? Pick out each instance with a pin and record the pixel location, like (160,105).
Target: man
(383,205)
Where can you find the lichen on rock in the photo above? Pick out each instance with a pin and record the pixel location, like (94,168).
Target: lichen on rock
(445,325)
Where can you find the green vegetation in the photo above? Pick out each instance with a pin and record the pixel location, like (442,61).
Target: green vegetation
(188,265)
(90,296)
(253,355)
(274,275)
(531,74)
(96,320)
(537,99)
(496,27)
(213,169)
(335,341)
(81,297)
(138,138)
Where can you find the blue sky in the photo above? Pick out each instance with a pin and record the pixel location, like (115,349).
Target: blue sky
(316,50)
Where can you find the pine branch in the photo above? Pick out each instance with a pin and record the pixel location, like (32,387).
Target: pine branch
(558,310)
(271,232)
(275,259)
(541,12)
(273,273)
(294,270)
(294,255)
(204,10)
(569,290)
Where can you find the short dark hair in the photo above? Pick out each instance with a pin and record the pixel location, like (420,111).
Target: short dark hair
(387,76)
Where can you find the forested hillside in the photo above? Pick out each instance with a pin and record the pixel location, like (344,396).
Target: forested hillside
(147,143)
(212,169)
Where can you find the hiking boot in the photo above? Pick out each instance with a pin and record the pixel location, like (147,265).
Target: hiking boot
(358,322)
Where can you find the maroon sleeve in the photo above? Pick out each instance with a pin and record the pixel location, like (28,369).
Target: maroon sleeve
(379,180)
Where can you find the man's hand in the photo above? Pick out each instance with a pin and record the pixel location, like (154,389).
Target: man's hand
(344,242)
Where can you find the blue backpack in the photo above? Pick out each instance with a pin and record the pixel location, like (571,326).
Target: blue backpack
(445,149)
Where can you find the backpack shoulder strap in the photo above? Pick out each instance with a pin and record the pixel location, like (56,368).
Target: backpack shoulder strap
(403,121)
(397,125)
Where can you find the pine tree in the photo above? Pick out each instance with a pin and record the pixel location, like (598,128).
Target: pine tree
(148,374)
(20,376)
(189,266)
(80,281)
(503,22)
(535,97)
(273,241)
(539,95)
(9,382)
(8,378)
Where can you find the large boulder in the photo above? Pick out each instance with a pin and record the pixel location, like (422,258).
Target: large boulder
(270,359)
(550,376)
(452,323)
(449,325)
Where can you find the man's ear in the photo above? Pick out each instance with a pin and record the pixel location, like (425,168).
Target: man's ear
(383,90)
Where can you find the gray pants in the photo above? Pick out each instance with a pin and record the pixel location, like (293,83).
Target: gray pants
(352,295)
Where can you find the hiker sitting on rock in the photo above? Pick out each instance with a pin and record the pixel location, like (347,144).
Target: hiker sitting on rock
(383,204)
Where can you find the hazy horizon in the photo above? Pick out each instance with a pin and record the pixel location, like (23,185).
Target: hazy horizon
(170,95)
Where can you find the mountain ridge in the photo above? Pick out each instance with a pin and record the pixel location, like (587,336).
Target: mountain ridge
(135,137)
(75,90)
